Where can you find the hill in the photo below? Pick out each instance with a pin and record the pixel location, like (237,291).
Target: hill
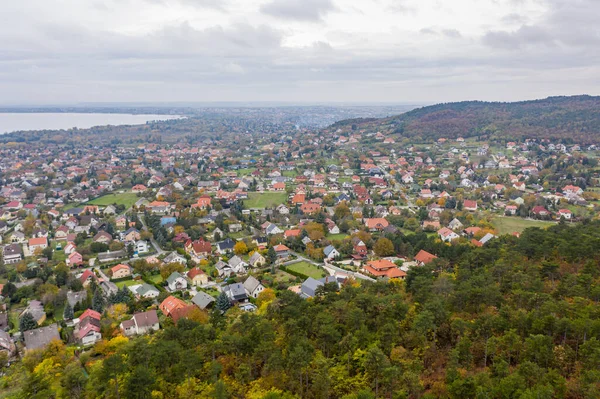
(571,119)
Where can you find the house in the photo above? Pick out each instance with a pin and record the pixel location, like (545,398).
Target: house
(257,260)
(540,211)
(171,305)
(12,253)
(120,271)
(36,310)
(376,224)
(510,209)
(37,244)
(309,287)
(572,190)
(223,269)
(141,247)
(238,265)
(6,343)
(383,268)
(40,337)
(202,300)
(423,257)
(102,237)
(74,259)
(86,277)
(486,238)
(282,251)
(197,276)
(198,248)
(111,256)
(146,290)
(447,235)
(564,213)
(174,257)
(236,292)
(132,234)
(455,224)
(141,323)
(87,329)
(330,252)
(176,282)
(253,287)
(225,246)
(271,229)
(470,205)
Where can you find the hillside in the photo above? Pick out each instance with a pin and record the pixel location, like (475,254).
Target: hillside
(572,119)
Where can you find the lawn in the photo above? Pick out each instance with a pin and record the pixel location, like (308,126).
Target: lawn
(155,278)
(127,199)
(128,283)
(339,236)
(307,269)
(265,200)
(508,225)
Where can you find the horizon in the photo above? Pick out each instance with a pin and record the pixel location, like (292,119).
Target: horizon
(299,51)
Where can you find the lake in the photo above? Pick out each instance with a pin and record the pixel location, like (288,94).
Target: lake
(11,122)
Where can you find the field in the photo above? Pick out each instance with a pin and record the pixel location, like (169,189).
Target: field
(508,225)
(307,269)
(265,200)
(127,199)
(127,283)
(340,236)
(155,278)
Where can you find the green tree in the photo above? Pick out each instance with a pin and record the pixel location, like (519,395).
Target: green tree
(68,312)
(27,322)
(98,301)
(222,302)
(383,247)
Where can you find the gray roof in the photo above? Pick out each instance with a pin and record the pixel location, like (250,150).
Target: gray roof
(328,249)
(235,261)
(174,276)
(236,291)
(251,284)
(173,257)
(486,238)
(40,337)
(76,297)
(146,319)
(256,257)
(309,286)
(145,288)
(202,300)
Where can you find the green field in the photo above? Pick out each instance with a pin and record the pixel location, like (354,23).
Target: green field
(127,283)
(508,225)
(155,278)
(307,269)
(127,199)
(340,236)
(265,200)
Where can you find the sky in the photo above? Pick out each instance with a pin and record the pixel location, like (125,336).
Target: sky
(314,51)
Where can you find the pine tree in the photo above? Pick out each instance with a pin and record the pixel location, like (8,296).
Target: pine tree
(223,303)
(68,312)
(98,301)
(271,255)
(27,322)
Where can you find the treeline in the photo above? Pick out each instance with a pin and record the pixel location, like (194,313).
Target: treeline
(518,318)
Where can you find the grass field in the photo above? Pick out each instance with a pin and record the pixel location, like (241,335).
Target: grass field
(307,269)
(508,225)
(340,236)
(127,283)
(265,200)
(127,199)
(155,278)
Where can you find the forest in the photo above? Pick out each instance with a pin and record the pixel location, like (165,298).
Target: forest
(517,318)
(570,119)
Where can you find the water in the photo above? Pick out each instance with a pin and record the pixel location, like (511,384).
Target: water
(11,122)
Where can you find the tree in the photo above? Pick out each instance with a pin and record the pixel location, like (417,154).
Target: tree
(222,302)
(240,248)
(68,312)
(98,301)
(9,290)
(27,322)
(383,247)
(271,255)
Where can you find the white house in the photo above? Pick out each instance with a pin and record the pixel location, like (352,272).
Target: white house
(176,282)
(253,287)
(330,252)
(141,323)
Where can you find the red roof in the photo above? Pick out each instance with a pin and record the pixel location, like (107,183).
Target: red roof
(90,313)
(116,268)
(424,257)
(280,248)
(171,304)
(38,241)
(470,204)
(86,274)
(195,272)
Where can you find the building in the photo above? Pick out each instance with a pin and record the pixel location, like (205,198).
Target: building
(330,252)
(383,268)
(424,257)
(176,282)
(141,323)
(40,337)
(236,292)
(87,329)
(120,271)
(253,287)
(171,305)
(197,277)
(202,300)
(12,253)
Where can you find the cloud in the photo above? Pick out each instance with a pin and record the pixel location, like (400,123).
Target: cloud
(523,37)
(299,10)
(214,4)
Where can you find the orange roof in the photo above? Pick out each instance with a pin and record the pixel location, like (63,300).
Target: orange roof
(299,199)
(90,313)
(280,247)
(158,203)
(119,267)
(171,304)
(374,223)
(424,257)
(292,233)
(392,272)
(38,241)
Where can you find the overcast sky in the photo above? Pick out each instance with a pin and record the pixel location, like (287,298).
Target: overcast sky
(67,51)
